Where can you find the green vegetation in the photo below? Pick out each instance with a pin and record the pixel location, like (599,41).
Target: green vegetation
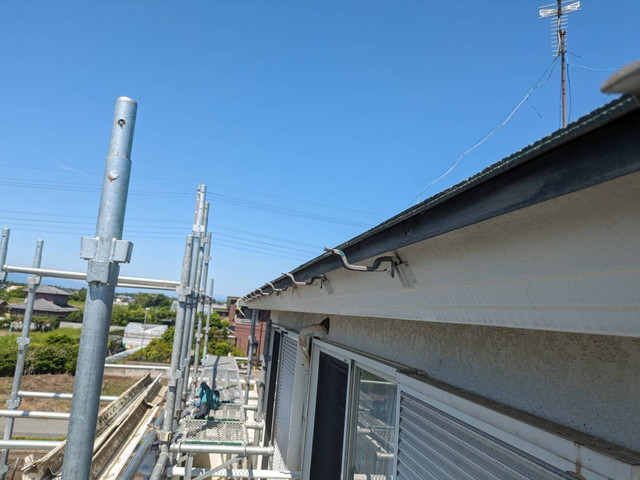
(159,306)
(159,349)
(48,352)
(41,323)
(78,296)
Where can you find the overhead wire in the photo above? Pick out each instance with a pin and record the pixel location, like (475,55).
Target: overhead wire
(133,226)
(216,185)
(499,126)
(221,199)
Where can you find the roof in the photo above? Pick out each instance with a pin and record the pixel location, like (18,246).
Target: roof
(42,305)
(568,160)
(50,290)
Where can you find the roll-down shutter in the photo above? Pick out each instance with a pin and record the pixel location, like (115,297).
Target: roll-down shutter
(433,445)
(284,401)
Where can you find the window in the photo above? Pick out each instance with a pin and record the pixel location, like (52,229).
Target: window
(330,413)
(402,425)
(373,426)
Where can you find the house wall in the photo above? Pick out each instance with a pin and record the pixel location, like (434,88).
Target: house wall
(587,382)
(242,332)
(60,300)
(570,264)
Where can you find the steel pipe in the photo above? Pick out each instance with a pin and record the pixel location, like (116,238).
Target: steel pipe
(145,445)
(4,247)
(137,367)
(122,281)
(172,399)
(238,473)
(104,253)
(230,449)
(34,414)
(163,459)
(60,396)
(29,444)
(23,344)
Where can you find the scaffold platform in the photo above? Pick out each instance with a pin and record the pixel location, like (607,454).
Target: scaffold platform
(222,374)
(225,425)
(214,432)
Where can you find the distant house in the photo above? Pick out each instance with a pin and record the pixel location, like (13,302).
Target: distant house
(122,300)
(242,332)
(50,301)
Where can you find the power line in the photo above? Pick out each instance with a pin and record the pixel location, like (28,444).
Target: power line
(495,129)
(221,199)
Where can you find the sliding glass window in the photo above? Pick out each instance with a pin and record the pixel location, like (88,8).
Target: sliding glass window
(373,426)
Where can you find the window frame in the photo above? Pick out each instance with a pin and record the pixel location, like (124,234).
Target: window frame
(528,433)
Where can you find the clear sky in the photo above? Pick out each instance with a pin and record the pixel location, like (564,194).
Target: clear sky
(309,121)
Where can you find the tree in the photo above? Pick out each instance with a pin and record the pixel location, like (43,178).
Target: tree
(79,295)
(75,317)
(144,300)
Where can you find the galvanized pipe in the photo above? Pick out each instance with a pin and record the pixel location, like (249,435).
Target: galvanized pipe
(203,298)
(11,414)
(145,445)
(29,444)
(239,473)
(250,352)
(150,283)
(230,449)
(196,319)
(187,335)
(184,293)
(4,247)
(60,396)
(23,343)
(206,330)
(107,251)
(161,464)
(195,273)
(136,367)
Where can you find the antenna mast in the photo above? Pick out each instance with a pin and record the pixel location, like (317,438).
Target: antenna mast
(557,13)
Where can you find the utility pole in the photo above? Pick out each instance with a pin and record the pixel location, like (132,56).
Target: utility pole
(557,13)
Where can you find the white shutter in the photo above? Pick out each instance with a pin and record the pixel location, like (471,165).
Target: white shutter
(433,445)
(284,402)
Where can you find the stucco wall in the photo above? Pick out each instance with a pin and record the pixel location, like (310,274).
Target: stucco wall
(587,382)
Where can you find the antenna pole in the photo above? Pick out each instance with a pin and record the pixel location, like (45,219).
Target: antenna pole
(563,65)
(558,24)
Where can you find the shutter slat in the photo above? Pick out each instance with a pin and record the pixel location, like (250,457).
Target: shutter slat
(284,402)
(434,444)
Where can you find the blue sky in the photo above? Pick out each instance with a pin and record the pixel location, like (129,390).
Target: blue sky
(308,121)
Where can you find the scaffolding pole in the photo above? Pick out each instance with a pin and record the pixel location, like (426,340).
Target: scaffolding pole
(23,343)
(201,305)
(206,330)
(4,246)
(148,283)
(196,272)
(104,253)
(184,293)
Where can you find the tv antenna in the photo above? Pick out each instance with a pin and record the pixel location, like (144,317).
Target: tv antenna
(558,12)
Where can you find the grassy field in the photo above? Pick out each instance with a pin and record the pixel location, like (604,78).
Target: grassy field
(111,385)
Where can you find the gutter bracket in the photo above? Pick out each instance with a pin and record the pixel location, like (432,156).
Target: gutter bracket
(374,267)
(405,275)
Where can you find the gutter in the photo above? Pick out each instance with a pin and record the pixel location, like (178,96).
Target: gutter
(573,158)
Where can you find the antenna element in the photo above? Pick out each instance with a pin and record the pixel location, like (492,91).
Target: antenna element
(557,13)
